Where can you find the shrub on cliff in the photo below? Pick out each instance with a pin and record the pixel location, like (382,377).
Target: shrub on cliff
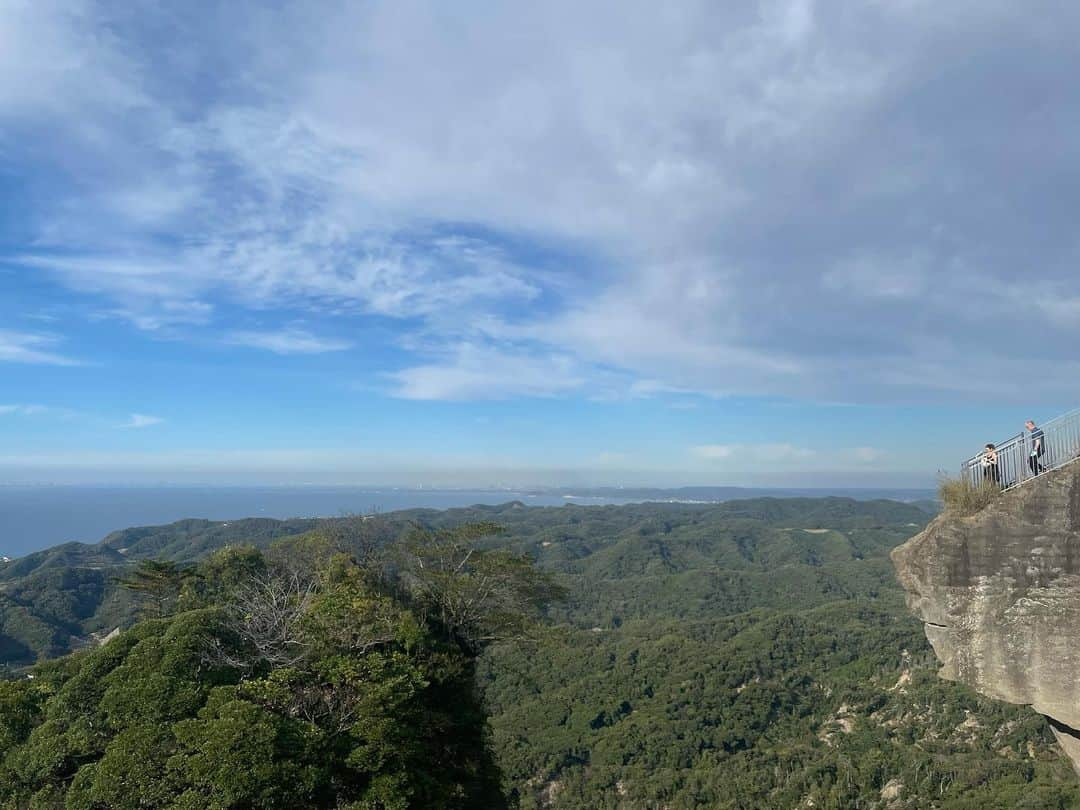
(961,496)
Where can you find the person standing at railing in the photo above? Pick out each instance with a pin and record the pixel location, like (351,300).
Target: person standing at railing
(990,469)
(1036,447)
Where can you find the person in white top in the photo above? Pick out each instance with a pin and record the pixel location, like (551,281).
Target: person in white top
(990,468)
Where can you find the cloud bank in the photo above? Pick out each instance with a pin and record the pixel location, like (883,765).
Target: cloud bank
(863,202)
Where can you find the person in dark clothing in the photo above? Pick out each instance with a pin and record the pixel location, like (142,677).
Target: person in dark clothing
(1036,447)
(990,468)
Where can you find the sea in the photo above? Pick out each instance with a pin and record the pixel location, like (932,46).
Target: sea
(36,517)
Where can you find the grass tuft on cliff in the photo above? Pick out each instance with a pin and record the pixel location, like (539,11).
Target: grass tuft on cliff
(961,496)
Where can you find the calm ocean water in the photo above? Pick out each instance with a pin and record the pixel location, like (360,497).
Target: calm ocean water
(33,518)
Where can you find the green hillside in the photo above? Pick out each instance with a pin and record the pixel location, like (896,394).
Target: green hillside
(56,600)
(59,599)
(752,654)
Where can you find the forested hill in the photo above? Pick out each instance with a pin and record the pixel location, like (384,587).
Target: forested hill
(61,598)
(757,655)
(751,654)
(57,599)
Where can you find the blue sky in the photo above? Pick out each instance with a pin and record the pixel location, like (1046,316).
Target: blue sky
(680,243)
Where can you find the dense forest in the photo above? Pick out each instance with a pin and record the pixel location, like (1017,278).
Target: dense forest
(316,674)
(752,654)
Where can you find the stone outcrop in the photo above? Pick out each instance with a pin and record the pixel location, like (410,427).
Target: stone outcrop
(999,592)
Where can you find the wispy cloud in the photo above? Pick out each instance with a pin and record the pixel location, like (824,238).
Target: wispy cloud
(719,199)
(612,459)
(478,372)
(23,410)
(780,454)
(89,419)
(141,420)
(867,455)
(770,453)
(715,451)
(32,348)
(288,341)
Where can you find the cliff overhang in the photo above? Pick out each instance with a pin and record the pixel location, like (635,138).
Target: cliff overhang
(999,593)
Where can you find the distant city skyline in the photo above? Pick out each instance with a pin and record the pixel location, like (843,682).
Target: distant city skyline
(776,243)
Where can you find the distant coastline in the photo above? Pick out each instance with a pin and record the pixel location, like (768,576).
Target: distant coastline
(35,517)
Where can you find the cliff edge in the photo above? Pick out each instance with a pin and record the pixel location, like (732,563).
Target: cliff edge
(999,592)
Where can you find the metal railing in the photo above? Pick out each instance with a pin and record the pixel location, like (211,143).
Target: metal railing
(1017,461)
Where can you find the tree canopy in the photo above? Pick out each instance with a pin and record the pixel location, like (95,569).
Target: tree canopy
(298,677)
(746,655)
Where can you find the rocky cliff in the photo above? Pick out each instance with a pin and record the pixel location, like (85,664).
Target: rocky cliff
(999,592)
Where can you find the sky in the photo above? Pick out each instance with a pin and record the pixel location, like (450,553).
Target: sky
(481,243)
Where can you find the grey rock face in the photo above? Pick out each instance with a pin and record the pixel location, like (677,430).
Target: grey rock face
(1000,594)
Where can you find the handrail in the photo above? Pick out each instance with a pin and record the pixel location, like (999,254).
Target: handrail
(1017,462)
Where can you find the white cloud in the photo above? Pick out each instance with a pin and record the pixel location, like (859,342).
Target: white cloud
(142,420)
(677,325)
(779,454)
(612,459)
(297,260)
(754,454)
(152,292)
(135,420)
(22,410)
(60,62)
(717,198)
(867,455)
(715,451)
(31,348)
(1060,308)
(478,372)
(288,341)
(868,277)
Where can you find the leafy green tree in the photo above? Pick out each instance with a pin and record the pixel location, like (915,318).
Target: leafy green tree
(238,754)
(157,584)
(280,686)
(221,575)
(479,595)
